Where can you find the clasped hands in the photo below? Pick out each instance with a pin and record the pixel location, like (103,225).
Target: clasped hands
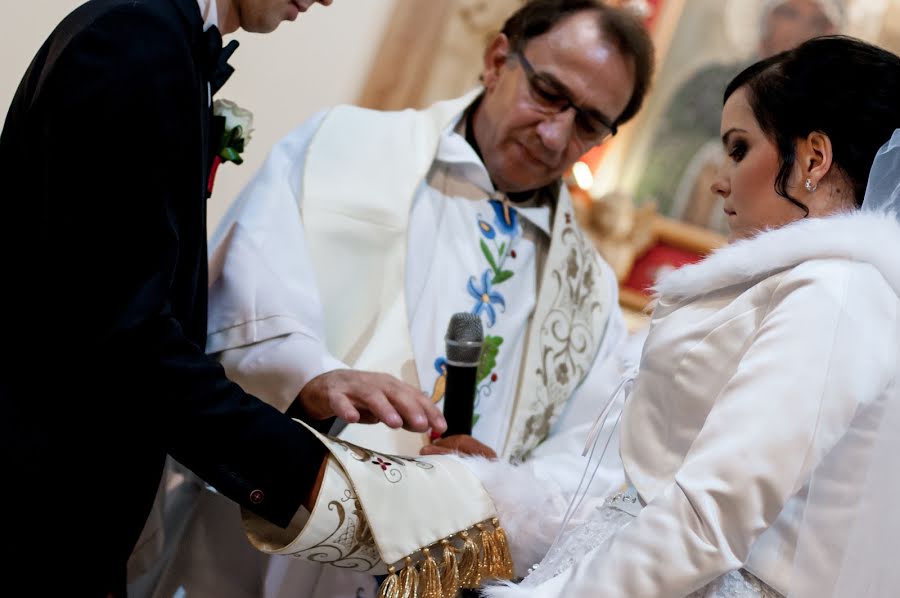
(369,397)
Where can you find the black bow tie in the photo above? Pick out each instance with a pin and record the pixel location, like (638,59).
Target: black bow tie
(216,67)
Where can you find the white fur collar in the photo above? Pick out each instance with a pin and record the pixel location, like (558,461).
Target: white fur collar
(870,237)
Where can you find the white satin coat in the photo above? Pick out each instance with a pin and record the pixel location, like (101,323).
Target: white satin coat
(766,364)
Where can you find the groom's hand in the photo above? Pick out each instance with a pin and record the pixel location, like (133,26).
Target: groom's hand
(369,397)
(461,444)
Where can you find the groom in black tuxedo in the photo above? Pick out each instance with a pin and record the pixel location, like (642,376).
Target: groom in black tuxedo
(104,158)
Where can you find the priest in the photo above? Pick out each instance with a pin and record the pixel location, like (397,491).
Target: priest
(364,232)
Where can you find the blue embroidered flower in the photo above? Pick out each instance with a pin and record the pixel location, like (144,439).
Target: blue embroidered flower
(486,229)
(440,364)
(485,297)
(507,218)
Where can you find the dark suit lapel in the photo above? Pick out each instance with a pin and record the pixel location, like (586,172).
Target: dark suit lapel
(211,70)
(193,20)
(190,10)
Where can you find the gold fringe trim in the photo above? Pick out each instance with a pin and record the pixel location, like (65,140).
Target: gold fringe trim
(487,559)
(449,571)
(469,569)
(468,558)
(430,577)
(505,568)
(409,580)
(389,587)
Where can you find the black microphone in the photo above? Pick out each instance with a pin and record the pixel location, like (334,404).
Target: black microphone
(464,339)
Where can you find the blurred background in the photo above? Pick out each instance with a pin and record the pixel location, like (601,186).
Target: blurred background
(644,196)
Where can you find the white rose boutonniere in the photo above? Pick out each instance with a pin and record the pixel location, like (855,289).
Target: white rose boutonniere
(232,127)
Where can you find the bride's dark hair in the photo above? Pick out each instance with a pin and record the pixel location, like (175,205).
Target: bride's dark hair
(836,85)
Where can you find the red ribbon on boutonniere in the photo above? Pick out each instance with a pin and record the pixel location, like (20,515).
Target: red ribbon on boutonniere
(236,125)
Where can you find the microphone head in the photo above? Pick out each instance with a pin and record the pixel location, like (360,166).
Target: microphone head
(465,336)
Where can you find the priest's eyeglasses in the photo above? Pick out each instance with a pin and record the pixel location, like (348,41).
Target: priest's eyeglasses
(591,127)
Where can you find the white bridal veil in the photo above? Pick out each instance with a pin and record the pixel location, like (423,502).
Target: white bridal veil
(870,554)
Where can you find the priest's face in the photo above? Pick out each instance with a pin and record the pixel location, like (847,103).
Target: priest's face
(263,16)
(548,103)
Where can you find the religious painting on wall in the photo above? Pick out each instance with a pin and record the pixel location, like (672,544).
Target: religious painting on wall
(652,208)
(675,148)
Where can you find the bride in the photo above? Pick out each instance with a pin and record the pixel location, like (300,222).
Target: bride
(758,438)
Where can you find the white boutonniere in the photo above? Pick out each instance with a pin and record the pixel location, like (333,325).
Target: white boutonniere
(237,130)
(234,125)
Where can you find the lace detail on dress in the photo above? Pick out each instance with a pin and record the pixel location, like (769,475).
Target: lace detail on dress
(736,584)
(617,512)
(579,541)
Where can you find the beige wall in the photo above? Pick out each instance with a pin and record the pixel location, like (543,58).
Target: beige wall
(284,77)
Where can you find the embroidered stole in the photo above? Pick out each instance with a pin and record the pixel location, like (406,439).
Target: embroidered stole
(356,226)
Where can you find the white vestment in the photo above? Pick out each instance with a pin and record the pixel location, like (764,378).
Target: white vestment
(290,246)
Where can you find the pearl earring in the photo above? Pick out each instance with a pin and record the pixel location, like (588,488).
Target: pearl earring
(810,186)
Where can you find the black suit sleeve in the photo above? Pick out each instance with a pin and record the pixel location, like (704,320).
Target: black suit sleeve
(121,110)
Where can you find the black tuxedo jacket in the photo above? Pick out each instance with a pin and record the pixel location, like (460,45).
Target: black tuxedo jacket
(104,159)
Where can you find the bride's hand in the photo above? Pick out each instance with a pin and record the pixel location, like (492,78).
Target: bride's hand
(460,444)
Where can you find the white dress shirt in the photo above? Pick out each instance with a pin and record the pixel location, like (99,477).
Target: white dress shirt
(210,13)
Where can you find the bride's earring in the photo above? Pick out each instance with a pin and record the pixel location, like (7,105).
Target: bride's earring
(810,186)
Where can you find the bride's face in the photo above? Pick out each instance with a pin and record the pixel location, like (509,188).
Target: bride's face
(746,179)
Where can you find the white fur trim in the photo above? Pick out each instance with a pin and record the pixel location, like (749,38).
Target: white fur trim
(869,237)
(507,590)
(529,509)
(552,588)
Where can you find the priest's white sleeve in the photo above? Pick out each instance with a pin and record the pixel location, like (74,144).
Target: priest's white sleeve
(265,315)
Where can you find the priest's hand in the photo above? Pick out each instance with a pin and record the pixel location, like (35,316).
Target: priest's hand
(369,397)
(461,444)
